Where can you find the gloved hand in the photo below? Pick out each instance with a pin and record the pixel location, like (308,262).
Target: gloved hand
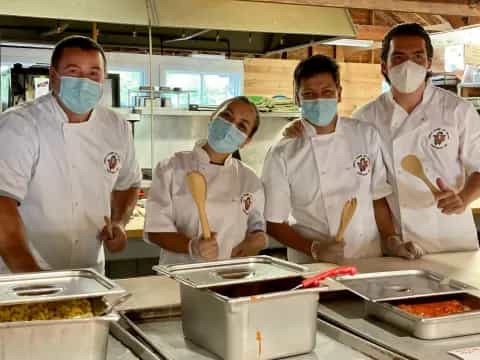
(204,249)
(251,246)
(331,252)
(450,201)
(394,246)
(114,237)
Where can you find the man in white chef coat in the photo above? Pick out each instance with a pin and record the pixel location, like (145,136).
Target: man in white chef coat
(442,131)
(65,164)
(309,179)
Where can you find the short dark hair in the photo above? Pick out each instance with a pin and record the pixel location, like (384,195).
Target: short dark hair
(245,100)
(406,29)
(76,41)
(314,65)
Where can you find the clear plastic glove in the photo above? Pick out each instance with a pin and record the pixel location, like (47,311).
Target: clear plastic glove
(394,246)
(114,237)
(331,252)
(204,249)
(294,130)
(450,201)
(251,246)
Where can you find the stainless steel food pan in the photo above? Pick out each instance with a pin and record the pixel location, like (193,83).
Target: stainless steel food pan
(71,339)
(68,339)
(429,328)
(244,322)
(391,285)
(244,309)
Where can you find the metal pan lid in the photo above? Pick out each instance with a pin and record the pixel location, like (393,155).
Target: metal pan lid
(55,286)
(228,272)
(397,285)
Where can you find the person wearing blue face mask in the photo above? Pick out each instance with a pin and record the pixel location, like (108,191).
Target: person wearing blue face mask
(308,179)
(66,163)
(235,197)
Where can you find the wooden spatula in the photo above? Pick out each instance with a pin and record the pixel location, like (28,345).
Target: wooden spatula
(347,214)
(413,165)
(198,187)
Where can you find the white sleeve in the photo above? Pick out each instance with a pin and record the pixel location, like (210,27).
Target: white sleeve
(359,114)
(469,133)
(380,186)
(256,220)
(130,175)
(159,205)
(19,148)
(277,188)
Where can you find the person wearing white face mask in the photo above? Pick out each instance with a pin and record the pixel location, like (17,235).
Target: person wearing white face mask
(66,163)
(235,197)
(442,131)
(308,179)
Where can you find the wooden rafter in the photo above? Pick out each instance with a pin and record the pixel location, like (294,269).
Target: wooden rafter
(372,22)
(439,8)
(387,17)
(441,25)
(371,32)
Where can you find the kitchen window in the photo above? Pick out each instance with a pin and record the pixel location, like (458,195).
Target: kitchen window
(129,80)
(207,88)
(4,86)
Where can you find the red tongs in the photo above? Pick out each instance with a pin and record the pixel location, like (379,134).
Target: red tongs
(314,280)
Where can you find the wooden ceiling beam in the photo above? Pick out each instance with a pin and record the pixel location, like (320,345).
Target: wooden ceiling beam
(412,6)
(441,25)
(387,17)
(371,32)
(455,21)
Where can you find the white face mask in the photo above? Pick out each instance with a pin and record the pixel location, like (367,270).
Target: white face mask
(407,76)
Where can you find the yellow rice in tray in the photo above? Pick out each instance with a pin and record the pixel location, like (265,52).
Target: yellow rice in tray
(69,309)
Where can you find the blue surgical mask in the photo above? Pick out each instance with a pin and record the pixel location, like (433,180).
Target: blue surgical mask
(224,137)
(79,95)
(319,112)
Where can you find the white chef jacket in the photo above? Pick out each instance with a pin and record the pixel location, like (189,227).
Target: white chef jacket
(62,175)
(309,186)
(234,204)
(444,133)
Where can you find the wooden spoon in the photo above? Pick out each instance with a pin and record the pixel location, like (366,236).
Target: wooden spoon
(347,214)
(198,187)
(413,165)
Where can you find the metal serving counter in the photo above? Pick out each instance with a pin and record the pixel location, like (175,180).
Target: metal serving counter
(117,351)
(168,337)
(343,330)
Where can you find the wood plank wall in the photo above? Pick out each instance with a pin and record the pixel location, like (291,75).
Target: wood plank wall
(268,77)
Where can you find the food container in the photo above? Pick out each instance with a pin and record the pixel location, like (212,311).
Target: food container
(429,328)
(245,309)
(384,291)
(68,339)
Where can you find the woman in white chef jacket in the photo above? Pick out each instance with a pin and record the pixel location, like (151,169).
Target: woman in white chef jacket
(309,179)
(235,198)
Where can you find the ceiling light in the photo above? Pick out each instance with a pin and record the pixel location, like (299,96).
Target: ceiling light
(351,42)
